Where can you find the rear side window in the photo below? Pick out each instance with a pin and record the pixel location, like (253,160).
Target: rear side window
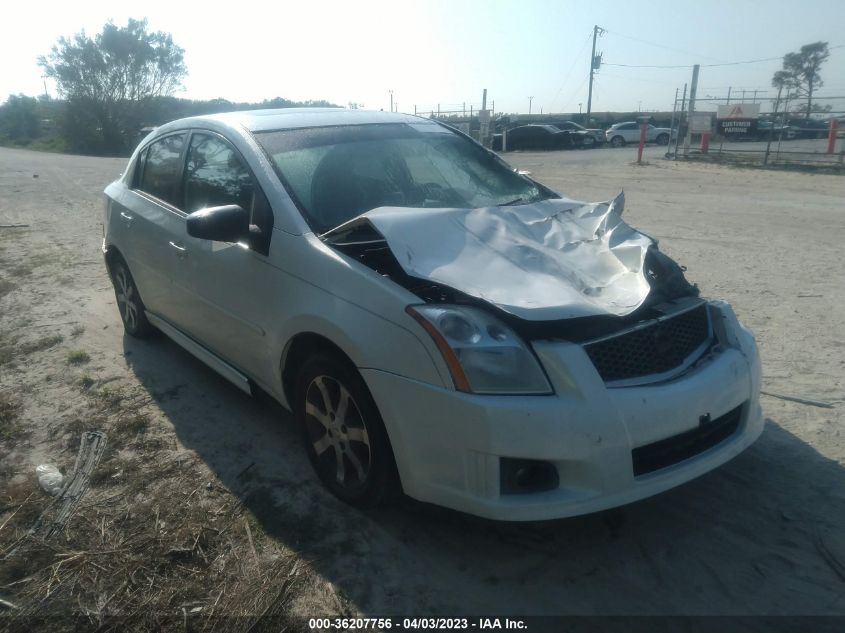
(162,169)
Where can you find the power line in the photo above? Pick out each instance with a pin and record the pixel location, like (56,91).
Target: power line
(575,60)
(640,79)
(749,61)
(646,65)
(565,106)
(668,48)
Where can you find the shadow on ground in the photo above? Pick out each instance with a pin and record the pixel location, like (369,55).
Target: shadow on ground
(762,535)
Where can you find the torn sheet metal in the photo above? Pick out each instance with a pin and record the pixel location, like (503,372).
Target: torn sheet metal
(554,259)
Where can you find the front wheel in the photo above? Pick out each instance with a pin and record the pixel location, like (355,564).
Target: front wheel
(662,139)
(617,141)
(344,435)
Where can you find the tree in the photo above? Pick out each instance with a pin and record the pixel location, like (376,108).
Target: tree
(109,79)
(801,72)
(19,118)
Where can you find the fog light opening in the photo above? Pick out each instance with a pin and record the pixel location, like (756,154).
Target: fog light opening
(525,476)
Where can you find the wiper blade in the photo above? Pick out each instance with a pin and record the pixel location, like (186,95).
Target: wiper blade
(514,201)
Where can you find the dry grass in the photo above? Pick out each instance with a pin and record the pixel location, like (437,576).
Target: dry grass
(40,344)
(10,408)
(6,287)
(151,547)
(86,381)
(77,357)
(154,564)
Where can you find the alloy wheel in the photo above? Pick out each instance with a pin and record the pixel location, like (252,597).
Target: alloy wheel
(126,298)
(337,432)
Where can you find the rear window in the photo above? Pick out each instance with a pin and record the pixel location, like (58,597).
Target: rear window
(162,170)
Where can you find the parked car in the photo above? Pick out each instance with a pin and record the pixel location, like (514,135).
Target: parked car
(619,134)
(775,129)
(809,128)
(543,137)
(438,323)
(572,126)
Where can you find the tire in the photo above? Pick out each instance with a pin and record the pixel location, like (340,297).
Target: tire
(346,444)
(617,141)
(129,302)
(662,139)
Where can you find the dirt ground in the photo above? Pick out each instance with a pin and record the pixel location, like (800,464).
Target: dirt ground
(762,535)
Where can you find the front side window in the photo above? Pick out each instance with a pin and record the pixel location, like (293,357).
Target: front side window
(163,168)
(338,173)
(215,175)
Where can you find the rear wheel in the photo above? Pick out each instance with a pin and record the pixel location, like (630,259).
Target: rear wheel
(132,311)
(617,141)
(344,435)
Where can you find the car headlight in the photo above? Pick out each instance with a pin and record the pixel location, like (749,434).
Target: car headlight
(483,355)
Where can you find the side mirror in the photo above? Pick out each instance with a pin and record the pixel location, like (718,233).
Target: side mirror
(229,223)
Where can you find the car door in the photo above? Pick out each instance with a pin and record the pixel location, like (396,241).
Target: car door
(630,132)
(223,284)
(150,220)
(536,139)
(517,138)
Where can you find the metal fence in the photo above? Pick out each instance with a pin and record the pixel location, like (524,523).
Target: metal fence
(784,135)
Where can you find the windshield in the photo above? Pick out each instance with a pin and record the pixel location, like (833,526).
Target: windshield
(337,173)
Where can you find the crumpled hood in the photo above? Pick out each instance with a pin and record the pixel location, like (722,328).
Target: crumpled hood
(554,259)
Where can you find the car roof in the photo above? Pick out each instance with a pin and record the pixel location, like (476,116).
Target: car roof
(293,118)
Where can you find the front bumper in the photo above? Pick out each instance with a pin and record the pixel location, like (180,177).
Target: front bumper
(448,445)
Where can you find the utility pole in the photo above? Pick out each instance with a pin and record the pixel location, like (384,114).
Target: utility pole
(728,101)
(680,121)
(391,100)
(772,131)
(593,67)
(672,125)
(530,99)
(693,87)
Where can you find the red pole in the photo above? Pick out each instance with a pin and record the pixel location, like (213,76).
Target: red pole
(705,142)
(642,143)
(831,136)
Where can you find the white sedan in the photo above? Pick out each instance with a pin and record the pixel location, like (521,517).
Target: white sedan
(438,323)
(619,134)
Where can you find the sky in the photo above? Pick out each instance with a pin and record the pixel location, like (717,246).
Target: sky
(527,53)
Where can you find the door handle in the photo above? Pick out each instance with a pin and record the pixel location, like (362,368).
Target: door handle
(181,251)
(126,216)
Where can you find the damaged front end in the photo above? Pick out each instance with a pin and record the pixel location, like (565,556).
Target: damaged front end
(552,270)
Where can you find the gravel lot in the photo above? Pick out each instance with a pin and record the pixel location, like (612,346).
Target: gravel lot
(762,535)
